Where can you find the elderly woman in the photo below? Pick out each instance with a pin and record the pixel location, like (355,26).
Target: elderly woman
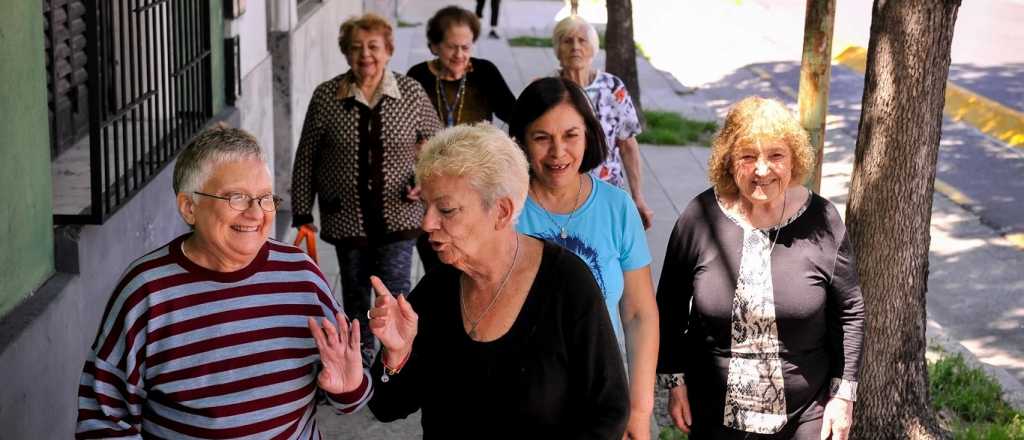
(463,89)
(356,155)
(216,319)
(512,338)
(562,139)
(769,341)
(575,42)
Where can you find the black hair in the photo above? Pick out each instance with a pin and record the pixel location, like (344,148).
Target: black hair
(447,17)
(544,94)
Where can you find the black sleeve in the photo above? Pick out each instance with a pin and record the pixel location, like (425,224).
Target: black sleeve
(303,193)
(675,289)
(845,314)
(401,394)
(500,96)
(594,358)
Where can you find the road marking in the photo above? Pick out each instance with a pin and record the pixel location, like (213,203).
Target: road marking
(992,118)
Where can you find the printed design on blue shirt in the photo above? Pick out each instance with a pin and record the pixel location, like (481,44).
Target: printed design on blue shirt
(579,247)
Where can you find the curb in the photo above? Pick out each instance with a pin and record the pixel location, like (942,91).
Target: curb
(1013,390)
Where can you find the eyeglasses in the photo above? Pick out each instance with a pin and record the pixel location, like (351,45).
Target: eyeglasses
(242,202)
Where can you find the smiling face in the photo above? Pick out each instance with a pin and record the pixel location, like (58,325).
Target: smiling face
(456,220)
(221,230)
(367,54)
(762,170)
(555,144)
(454,51)
(575,51)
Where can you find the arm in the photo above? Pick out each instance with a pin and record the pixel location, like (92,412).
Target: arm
(639,313)
(503,100)
(630,151)
(303,194)
(673,298)
(396,371)
(845,321)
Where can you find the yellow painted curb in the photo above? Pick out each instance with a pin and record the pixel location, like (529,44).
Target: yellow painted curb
(952,193)
(992,118)
(1017,240)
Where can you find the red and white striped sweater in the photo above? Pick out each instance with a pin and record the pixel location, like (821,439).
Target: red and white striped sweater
(186,352)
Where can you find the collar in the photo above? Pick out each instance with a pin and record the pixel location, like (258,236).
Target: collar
(347,88)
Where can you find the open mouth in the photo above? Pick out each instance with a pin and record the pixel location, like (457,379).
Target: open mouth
(240,228)
(557,167)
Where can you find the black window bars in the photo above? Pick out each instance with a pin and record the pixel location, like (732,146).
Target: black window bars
(150,91)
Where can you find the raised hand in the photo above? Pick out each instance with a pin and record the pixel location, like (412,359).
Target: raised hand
(393,322)
(339,353)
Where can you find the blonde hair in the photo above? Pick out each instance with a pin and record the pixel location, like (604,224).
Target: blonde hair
(756,119)
(492,162)
(369,22)
(571,24)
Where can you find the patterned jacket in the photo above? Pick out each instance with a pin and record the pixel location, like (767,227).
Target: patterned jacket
(358,160)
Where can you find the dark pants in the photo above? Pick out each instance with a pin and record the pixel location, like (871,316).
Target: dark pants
(794,430)
(495,4)
(391,262)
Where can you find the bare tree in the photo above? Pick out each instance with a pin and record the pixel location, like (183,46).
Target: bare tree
(889,210)
(620,48)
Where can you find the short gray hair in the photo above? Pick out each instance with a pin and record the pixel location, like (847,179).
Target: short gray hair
(495,166)
(212,147)
(571,24)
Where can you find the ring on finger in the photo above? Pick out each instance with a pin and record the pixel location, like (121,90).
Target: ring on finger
(368,315)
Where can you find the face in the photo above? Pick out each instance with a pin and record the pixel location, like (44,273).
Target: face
(575,51)
(762,171)
(455,219)
(555,144)
(368,54)
(456,48)
(223,230)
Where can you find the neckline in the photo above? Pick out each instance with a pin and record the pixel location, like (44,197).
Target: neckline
(741,225)
(257,263)
(578,213)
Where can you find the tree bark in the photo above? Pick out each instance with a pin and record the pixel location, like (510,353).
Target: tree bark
(620,49)
(889,210)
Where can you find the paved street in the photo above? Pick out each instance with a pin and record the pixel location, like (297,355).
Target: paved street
(976,286)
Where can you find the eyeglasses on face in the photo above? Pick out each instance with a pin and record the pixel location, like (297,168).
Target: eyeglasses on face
(242,202)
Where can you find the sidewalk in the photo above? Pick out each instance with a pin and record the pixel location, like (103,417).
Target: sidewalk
(975,283)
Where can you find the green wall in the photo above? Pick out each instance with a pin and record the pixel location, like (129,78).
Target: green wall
(26,214)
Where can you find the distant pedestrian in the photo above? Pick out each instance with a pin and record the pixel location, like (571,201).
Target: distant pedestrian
(495,5)
(355,156)
(760,304)
(209,336)
(576,43)
(463,89)
(510,339)
(556,127)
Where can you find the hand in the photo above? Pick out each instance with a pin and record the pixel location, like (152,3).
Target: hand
(679,408)
(639,426)
(339,354)
(311,226)
(646,213)
(412,193)
(837,420)
(393,321)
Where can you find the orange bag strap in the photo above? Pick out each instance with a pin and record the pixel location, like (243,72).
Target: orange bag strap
(307,234)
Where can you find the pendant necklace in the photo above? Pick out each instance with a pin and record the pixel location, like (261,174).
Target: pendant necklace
(561,227)
(451,113)
(473,323)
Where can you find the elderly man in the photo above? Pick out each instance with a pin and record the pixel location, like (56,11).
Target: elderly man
(215,334)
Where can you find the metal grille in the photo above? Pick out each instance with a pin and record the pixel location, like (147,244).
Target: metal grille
(149,93)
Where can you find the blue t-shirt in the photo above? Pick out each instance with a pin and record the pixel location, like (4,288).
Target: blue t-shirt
(606,232)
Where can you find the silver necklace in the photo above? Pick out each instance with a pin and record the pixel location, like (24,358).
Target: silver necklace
(561,227)
(473,323)
(782,214)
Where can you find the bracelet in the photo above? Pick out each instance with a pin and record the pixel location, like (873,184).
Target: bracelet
(669,381)
(389,371)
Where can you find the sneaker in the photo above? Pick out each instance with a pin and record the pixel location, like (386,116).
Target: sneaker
(493,35)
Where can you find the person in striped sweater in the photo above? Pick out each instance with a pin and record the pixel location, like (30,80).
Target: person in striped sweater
(217,334)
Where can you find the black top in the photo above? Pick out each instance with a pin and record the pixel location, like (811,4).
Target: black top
(818,305)
(486,93)
(556,373)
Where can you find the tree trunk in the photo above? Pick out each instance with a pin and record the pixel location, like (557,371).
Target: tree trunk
(620,49)
(889,210)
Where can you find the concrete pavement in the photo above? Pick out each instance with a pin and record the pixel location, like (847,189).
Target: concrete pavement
(975,283)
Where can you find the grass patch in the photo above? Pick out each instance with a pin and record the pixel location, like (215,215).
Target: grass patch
(672,433)
(528,41)
(668,128)
(969,402)
(408,24)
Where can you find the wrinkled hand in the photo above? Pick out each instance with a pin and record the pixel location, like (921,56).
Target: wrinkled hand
(639,426)
(837,420)
(679,408)
(646,213)
(393,321)
(339,353)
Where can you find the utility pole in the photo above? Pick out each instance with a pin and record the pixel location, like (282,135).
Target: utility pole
(815,75)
